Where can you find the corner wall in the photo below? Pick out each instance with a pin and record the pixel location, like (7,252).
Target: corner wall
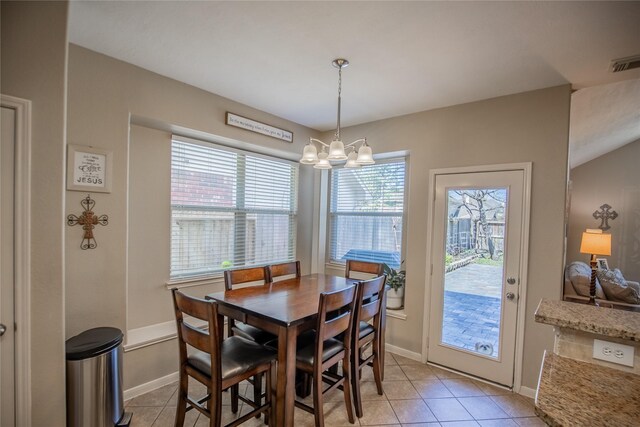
(117,106)
(34,67)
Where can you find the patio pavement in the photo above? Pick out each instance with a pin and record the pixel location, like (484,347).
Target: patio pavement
(472,307)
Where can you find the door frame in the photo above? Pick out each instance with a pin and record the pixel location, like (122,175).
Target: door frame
(526,168)
(22,256)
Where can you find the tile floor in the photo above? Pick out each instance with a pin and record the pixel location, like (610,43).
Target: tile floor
(414,395)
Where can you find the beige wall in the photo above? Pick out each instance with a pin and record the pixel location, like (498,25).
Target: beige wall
(132,112)
(613,178)
(526,127)
(34,63)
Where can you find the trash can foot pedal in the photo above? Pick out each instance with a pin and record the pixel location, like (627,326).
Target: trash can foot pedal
(125,420)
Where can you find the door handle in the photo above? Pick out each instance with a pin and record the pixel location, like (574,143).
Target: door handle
(3,329)
(511,280)
(510,296)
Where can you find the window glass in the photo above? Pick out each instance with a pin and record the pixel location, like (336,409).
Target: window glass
(229,209)
(367,207)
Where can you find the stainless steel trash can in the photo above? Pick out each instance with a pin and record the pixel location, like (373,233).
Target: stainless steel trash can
(94,379)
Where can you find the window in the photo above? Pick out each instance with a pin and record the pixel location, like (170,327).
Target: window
(229,208)
(366,213)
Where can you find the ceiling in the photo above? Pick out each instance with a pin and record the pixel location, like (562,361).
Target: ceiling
(405,56)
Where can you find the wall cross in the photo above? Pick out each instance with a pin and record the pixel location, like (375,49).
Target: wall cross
(88,220)
(604,215)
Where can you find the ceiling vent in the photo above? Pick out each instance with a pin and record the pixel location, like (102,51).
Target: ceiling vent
(622,64)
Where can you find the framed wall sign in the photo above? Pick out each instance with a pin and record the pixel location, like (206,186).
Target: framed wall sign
(254,126)
(88,169)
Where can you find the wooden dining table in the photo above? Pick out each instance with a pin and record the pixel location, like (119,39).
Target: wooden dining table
(284,308)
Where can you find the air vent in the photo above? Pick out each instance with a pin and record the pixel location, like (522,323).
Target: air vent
(623,64)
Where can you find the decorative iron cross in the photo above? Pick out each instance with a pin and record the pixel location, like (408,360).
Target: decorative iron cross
(88,220)
(604,215)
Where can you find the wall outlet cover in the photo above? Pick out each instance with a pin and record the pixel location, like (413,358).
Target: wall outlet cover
(613,352)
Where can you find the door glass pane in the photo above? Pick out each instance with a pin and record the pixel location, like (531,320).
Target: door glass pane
(474,269)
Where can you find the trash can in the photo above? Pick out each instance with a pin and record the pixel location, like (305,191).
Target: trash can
(94,379)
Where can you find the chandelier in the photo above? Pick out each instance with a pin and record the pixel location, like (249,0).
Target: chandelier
(337,150)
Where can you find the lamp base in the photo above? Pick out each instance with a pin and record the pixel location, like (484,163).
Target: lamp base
(592,289)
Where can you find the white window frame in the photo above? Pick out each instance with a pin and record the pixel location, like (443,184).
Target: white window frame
(199,278)
(334,264)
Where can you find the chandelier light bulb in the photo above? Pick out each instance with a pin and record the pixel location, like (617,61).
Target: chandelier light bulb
(365,155)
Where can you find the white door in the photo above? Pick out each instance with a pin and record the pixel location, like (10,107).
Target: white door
(476,255)
(7,372)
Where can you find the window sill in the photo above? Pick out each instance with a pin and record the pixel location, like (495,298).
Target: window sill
(397,314)
(217,279)
(155,334)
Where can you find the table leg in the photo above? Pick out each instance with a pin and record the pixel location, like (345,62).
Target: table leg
(286,377)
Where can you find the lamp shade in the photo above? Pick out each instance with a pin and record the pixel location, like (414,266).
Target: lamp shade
(323,162)
(309,155)
(365,156)
(351,161)
(336,150)
(595,242)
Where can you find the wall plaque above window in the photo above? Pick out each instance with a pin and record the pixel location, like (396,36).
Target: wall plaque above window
(88,169)
(254,126)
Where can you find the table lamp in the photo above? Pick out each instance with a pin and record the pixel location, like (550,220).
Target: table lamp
(594,242)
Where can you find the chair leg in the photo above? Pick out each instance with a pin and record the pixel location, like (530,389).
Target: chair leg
(377,368)
(181,408)
(257,391)
(346,386)
(267,397)
(318,401)
(355,381)
(215,410)
(234,398)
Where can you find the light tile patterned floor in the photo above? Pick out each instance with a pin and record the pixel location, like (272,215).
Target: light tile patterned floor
(415,395)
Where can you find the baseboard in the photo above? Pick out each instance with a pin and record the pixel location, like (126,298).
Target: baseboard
(528,392)
(402,352)
(150,386)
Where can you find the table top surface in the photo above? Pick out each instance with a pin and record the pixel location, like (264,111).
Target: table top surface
(287,302)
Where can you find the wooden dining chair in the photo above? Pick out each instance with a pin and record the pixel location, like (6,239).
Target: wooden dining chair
(367,327)
(320,349)
(217,364)
(374,269)
(285,269)
(236,328)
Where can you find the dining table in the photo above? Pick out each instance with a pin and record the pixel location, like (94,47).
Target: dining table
(284,308)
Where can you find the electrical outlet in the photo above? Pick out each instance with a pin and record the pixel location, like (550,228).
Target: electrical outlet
(613,352)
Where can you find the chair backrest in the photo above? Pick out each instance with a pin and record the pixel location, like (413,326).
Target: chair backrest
(369,298)
(335,315)
(373,268)
(245,275)
(285,269)
(196,336)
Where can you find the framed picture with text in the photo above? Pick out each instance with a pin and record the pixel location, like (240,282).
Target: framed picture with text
(88,169)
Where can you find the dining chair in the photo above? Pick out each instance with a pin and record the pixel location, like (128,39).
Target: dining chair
(367,326)
(373,269)
(217,364)
(320,349)
(236,328)
(285,269)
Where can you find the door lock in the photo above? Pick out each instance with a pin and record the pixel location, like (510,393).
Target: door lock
(511,280)
(510,296)
(3,329)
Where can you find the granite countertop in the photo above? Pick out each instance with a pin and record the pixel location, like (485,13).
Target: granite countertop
(575,393)
(588,318)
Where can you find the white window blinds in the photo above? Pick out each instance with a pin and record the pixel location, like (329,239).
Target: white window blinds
(367,206)
(229,209)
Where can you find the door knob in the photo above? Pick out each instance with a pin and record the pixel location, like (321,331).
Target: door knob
(511,280)
(510,295)
(3,329)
